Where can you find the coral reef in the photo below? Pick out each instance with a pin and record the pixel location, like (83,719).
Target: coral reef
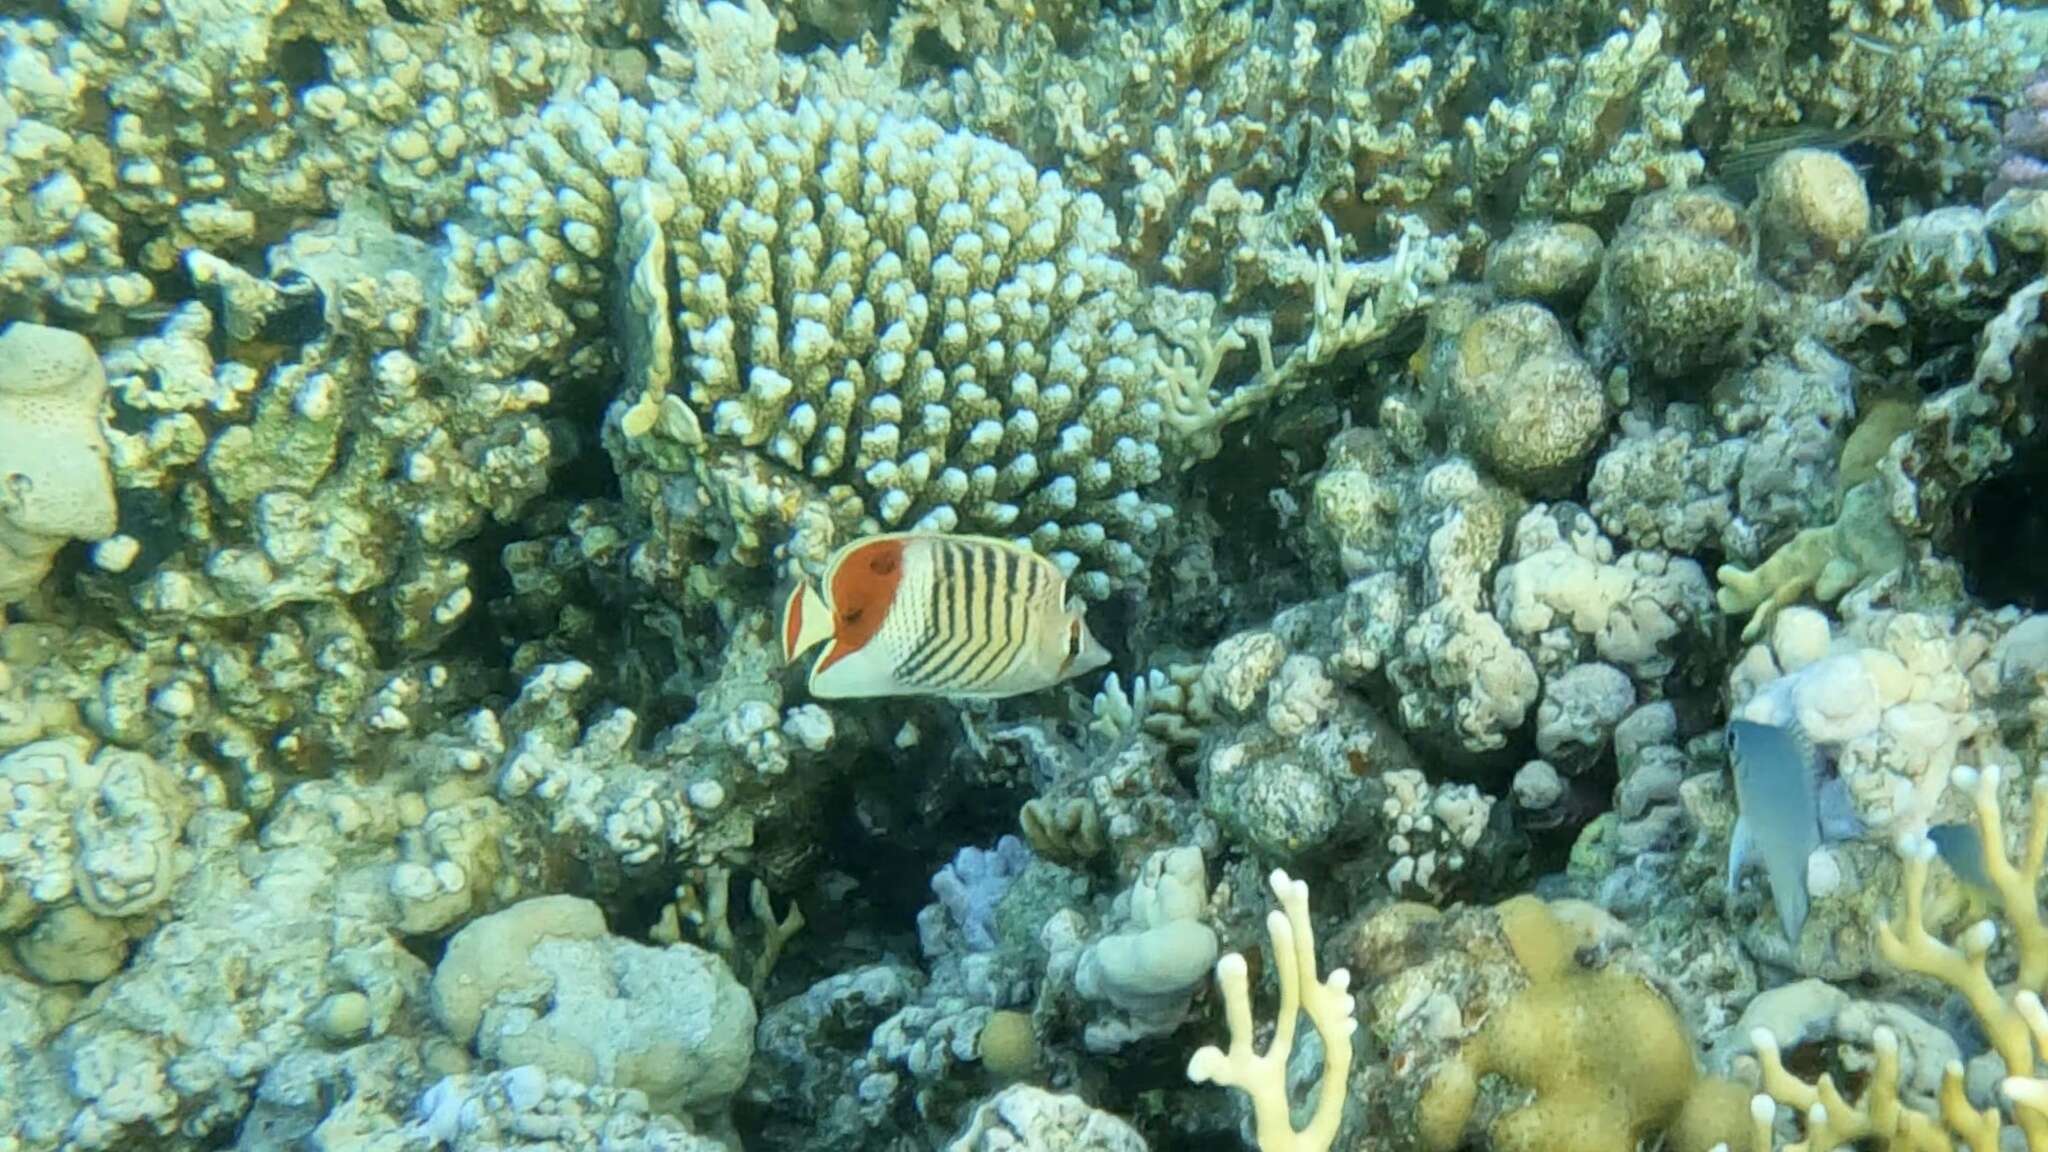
(1453,417)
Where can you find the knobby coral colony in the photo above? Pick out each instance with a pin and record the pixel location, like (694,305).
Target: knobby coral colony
(1455,423)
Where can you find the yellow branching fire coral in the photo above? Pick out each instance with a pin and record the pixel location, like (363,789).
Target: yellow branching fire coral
(1263,1075)
(2012,1018)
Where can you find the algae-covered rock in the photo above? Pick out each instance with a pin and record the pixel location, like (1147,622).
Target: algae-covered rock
(1679,288)
(1550,263)
(1520,395)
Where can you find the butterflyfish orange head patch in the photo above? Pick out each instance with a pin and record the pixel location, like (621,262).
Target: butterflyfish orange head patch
(862,585)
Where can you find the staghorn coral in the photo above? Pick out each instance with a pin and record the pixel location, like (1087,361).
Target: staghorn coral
(1904,80)
(1187,118)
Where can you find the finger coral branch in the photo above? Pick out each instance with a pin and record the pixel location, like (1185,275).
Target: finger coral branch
(1263,1075)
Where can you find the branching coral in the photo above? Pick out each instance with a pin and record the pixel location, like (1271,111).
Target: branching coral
(2011,1015)
(1262,1076)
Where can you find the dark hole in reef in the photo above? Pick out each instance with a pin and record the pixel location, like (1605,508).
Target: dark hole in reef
(802,39)
(634,914)
(1552,831)
(583,473)
(401,13)
(301,63)
(888,828)
(150,517)
(427,948)
(2002,534)
(480,631)
(1809,31)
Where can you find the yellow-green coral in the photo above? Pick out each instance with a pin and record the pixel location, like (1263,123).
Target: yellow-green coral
(1827,561)
(1606,1056)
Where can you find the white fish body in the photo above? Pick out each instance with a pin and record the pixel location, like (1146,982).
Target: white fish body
(928,614)
(1777,799)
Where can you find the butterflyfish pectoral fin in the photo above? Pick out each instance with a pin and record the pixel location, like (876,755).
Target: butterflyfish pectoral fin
(806,621)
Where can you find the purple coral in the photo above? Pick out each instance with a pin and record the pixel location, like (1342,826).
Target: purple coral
(974,882)
(2024,163)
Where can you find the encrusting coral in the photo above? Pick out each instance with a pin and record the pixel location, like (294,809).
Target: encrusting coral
(54,482)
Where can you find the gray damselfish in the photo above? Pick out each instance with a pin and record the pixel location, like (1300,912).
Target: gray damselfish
(1778,806)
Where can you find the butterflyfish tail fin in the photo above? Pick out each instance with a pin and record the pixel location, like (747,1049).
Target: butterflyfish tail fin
(806,621)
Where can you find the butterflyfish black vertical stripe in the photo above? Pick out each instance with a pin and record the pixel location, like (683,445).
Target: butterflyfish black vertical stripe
(1009,620)
(944,601)
(951,583)
(994,626)
(971,589)
(1019,615)
(933,589)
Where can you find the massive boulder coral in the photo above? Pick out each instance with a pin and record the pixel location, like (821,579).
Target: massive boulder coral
(1568,597)
(1516,392)
(1678,290)
(1892,701)
(1424,543)
(1147,972)
(1598,1055)
(544,983)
